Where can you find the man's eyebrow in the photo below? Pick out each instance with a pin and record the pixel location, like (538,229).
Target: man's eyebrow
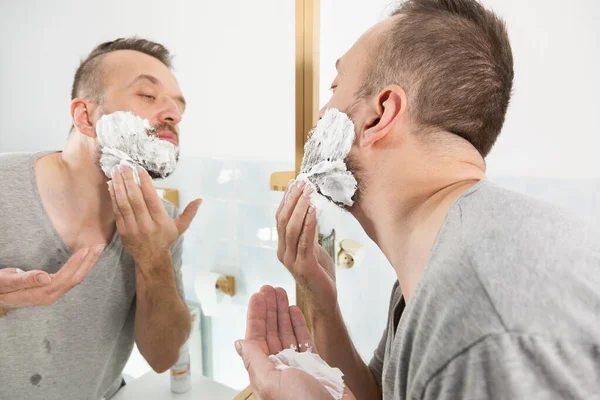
(182,101)
(155,81)
(150,78)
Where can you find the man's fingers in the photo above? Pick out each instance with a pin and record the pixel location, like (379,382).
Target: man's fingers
(256,325)
(72,264)
(11,281)
(286,209)
(348,395)
(153,202)
(295,224)
(272,329)
(121,199)
(284,322)
(76,269)
(70,275)
(301,330)
(88,263)
(135,197)
(185,219)
(284,198)
(113,198)
(306,243)
(257,363)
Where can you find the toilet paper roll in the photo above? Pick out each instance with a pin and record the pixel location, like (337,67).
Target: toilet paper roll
(211,298)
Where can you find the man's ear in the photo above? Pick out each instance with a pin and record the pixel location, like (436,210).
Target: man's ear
(388,106)
(82,118)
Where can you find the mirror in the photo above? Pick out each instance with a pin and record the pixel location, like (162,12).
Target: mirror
(235,63)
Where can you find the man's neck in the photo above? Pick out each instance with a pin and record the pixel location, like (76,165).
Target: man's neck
(71,183)
(405,217)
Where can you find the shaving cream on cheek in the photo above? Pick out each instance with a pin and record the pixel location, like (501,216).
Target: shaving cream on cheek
(312,364)
(323,164)
(125,140)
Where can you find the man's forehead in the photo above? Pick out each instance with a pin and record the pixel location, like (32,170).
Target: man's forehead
(381,28)
(367,41)
(129,64)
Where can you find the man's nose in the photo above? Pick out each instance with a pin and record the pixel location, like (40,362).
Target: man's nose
(322,111)
(169,112)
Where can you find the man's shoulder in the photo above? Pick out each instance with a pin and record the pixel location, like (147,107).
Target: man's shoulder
(499,227)
(525,254)
(10,161)
(492,208)
(503,262)
(16,171)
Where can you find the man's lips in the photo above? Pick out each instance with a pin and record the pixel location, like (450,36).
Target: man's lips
(168,136)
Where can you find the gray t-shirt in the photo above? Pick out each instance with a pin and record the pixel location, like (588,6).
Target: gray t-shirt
(76,348)
(508,307)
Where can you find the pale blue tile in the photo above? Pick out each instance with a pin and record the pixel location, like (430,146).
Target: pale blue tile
(257,225)
(186,173)
(275,198)
(217,219)
(260,266)
(227,328)
(253,182)
(218,177)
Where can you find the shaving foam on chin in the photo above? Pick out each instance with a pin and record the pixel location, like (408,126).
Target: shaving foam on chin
(323,164)
(312,364)
(125,139)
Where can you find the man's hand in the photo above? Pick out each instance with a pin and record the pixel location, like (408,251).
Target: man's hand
(146,230)
(309,263)
(162,320)
(38,288)
(273,326)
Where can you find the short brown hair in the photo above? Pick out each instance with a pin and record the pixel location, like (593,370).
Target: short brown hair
(454,60)
(88,83)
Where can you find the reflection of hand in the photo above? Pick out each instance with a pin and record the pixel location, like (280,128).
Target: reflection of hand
(38,288)
(145,228)
(307,261)
(273,326)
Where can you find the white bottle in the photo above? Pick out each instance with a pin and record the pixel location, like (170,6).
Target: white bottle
(181,379)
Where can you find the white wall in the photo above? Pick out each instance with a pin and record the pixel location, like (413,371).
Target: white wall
(234,61)
(552,125)
(551,128)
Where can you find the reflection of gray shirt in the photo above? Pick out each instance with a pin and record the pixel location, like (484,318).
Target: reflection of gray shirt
(76,348)
(508,307)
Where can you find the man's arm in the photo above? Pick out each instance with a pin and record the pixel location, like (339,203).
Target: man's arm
(162,320)
(336,348)
(314,271)
(148,233)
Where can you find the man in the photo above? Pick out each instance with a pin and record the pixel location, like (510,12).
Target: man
(498,295)
(73,341)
